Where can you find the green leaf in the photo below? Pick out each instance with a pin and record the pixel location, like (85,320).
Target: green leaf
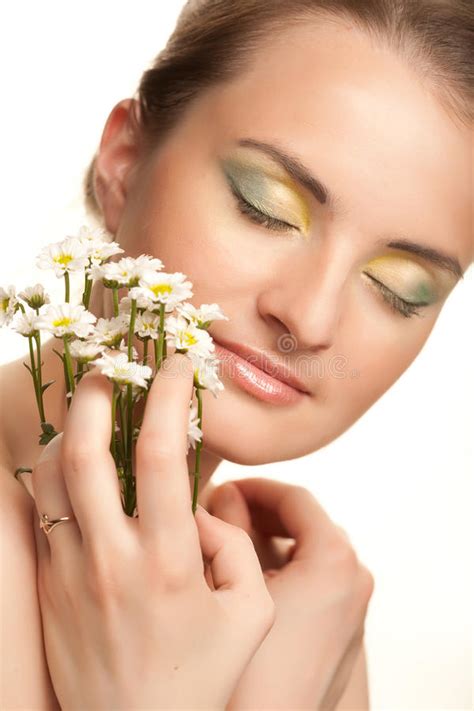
(59,354)
(49,433)
(45,438)
(20,470)
(46,385)
(47,427)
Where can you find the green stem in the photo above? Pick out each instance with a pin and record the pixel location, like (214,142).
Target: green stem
(161,338)
(80,372)
(34,375)
(197,474)
(113,447)
(69,370)
(131,329)
(145,350)
(128,467)
(123,428)
(67,286)
(116,301)
(39,376)
(87,291)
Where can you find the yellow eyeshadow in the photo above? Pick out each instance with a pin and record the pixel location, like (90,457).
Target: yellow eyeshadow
(404,276)
(269,189)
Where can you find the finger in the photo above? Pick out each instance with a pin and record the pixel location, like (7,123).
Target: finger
(279,509)
(43,550)
(228,503)
(51,498)
(232,558)
(162,477)
(89,469)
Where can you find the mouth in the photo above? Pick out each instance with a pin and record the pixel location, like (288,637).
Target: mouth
(259,375)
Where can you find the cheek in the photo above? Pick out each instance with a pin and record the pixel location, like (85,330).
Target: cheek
(191,225)
(375,358)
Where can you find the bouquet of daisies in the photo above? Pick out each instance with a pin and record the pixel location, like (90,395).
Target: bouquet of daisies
(154,311)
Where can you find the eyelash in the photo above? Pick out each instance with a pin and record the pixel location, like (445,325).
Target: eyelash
(399,305)
(405,308)
(260,218)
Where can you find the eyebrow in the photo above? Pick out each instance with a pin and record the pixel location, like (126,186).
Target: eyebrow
(294,167)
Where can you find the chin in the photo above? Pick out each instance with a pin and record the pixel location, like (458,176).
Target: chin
(254,448)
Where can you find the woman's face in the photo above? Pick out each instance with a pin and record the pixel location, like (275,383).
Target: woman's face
(341,276)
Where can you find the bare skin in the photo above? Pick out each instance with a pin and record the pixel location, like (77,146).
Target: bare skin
(366,126)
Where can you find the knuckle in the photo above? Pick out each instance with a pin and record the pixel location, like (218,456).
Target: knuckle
(167,570)
(367,583)
(240,536)
(268,611)
(173,578)
(300,491)
(102,578)
(343,557)
(150,448)
(76,455)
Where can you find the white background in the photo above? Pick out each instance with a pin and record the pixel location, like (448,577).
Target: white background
(398,481)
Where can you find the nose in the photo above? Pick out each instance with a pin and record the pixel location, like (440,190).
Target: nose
(305,299)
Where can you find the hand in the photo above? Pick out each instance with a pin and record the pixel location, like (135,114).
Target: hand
(129,620)
(320,589)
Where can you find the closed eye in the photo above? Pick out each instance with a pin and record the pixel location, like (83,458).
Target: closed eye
(259,217)
(401,306)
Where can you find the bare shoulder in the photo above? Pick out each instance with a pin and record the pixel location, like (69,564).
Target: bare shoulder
(356,693)
(24,676)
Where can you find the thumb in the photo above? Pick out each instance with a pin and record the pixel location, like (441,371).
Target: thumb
(230,552)
(229,504)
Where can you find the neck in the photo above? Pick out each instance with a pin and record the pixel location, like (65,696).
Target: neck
(19,420)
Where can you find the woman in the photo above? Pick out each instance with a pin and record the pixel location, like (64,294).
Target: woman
(374,234)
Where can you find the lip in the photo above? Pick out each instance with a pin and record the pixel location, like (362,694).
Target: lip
(258,374)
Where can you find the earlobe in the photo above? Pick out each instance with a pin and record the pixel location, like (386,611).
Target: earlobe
(115,161)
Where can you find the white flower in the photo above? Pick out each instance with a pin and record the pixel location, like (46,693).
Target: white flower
(67,320)
(165,288)
(69,255)
(99,247)
(85,351)
(123,347)
(110,274)
(205,372)
(123,371)
(110,331)
(101,251)
(187,336)
(146,263)
(202,316)
(194,431)
(35,296)
(26,323)
(8,302)
(146,325)
(143,302)
(126,272)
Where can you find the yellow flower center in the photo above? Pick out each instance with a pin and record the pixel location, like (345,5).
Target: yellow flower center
(63,259)
(5,303)
(161,289)
(189,339)
(62,322)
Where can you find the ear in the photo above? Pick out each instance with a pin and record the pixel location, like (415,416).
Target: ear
(115,160)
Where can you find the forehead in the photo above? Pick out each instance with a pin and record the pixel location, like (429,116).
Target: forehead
(364,123)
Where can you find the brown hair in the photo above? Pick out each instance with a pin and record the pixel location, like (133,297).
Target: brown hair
(213,41)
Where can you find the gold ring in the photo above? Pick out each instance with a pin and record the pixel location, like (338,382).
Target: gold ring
(48,524)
